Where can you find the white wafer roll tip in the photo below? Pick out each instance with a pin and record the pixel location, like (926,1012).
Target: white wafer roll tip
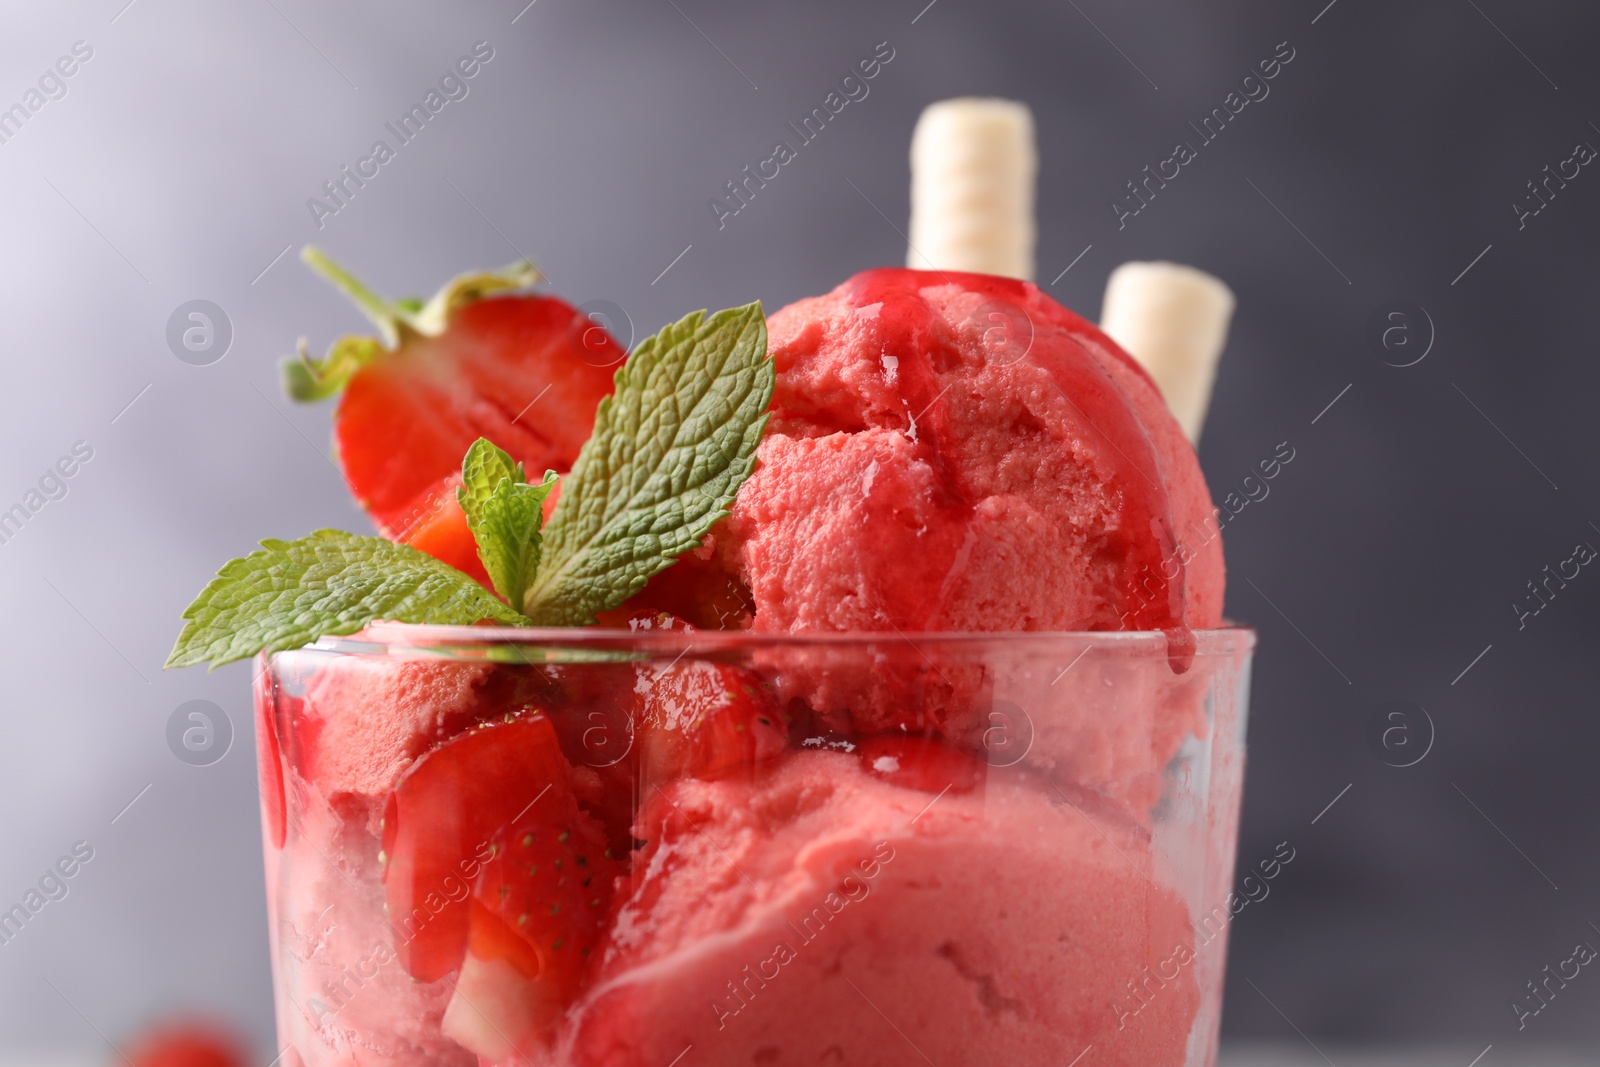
(1174,320)
(973,168)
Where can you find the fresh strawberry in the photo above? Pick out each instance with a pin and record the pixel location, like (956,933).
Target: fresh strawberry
(525,371)
(441,824)
(696,717)
(492,870)
(186,1044)
(921,763)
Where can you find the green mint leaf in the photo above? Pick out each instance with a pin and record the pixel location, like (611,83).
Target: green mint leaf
(331,583)
(504,514)
(484,465)
(670,449)
(508,537)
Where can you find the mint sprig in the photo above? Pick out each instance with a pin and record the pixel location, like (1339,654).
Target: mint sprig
(331,583)
(504,514)
(670,448)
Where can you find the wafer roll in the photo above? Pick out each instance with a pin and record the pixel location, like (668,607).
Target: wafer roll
(1174,320)
(973,169)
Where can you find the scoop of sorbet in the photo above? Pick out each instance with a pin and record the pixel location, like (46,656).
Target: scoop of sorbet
(960,452)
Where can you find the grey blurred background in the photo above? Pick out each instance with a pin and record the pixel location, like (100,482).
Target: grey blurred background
(1382,569)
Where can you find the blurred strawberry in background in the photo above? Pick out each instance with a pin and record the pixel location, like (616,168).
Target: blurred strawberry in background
(186,1042)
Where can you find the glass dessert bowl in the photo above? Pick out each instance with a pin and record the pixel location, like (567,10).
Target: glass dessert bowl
(666,846)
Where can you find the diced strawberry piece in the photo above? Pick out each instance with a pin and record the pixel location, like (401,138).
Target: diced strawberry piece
(699,590)
(695,717)
(506,368)
(441,823)
(705,719)
(186,1044)
(922,763)
(434,523)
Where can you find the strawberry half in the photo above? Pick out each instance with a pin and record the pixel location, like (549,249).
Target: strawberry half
(493,873)
(524,370)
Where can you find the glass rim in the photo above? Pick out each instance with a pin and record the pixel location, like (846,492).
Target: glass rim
(425,639)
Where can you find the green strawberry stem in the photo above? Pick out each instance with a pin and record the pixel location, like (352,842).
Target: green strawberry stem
(385,315)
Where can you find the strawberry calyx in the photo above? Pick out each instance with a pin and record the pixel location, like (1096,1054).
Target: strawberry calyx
(307,378)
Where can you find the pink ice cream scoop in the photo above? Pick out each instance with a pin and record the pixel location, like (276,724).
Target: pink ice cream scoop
(957,451)
(824,915)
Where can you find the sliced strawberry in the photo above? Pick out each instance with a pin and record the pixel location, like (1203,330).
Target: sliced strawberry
(922,763)
(542,897)
(441,824)
(541,881)
(526,371)
(695,717)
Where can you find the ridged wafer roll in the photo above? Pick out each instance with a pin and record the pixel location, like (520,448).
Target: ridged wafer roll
(1174,320)
(973,169)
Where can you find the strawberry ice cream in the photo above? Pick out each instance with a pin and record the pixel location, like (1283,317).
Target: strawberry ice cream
(960,452)
(829,916)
